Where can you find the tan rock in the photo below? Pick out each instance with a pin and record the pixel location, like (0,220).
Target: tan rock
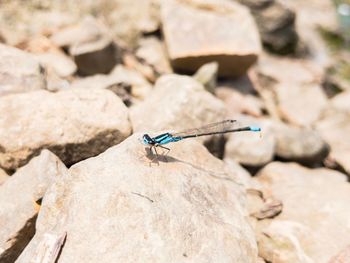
(210,30)
(176,102)
(18,207)
(19,71)
(314,219)
(74,124)
(341,101)
(189,208)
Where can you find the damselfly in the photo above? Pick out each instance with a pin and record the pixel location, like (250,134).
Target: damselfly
(221,127)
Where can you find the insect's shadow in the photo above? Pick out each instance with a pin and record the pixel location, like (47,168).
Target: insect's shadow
(156,158)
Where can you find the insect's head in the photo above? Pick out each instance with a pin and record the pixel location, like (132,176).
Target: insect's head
(147,140)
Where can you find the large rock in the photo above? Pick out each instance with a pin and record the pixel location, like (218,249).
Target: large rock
(314,219)
(286,79)
(210,30)
(188,208)
(19,71)
(74,124)
(276,25)
(176,102)
(18,207)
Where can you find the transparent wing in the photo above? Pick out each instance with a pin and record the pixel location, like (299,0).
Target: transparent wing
(221,126)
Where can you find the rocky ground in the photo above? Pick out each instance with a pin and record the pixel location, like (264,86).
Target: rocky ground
(81,82)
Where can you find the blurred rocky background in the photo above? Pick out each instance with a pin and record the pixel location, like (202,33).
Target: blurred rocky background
(81,81)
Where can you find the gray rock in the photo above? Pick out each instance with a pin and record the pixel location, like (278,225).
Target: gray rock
(19,71)
(189,208)
(249,148)
(207,75)
(176,102)
(314,219)
(18,207)
(95,57)
(210,30)
(276,23)
(74,124)
(303,145)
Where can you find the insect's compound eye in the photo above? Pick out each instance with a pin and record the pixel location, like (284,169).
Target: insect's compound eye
(146,139)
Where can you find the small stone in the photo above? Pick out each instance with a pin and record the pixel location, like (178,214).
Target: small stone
(121,190)
(153,52)
(120,75)
(89,30)
(74,124)
(210,31)
(19,71)
(250,148)
(95,57)
(314,219)
(270,209)
(207,75)
(176,102)
(18,197)
(303,145)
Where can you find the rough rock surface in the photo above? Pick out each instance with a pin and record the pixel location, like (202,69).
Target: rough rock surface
(18,207)
(176,102)
(313,222)
(74,124)
(303,145)
(210,31)
(114,207)
(19,71)
(3,176)
(250,148)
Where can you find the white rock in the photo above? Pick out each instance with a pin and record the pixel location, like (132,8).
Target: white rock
(19,71)
(118,207)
